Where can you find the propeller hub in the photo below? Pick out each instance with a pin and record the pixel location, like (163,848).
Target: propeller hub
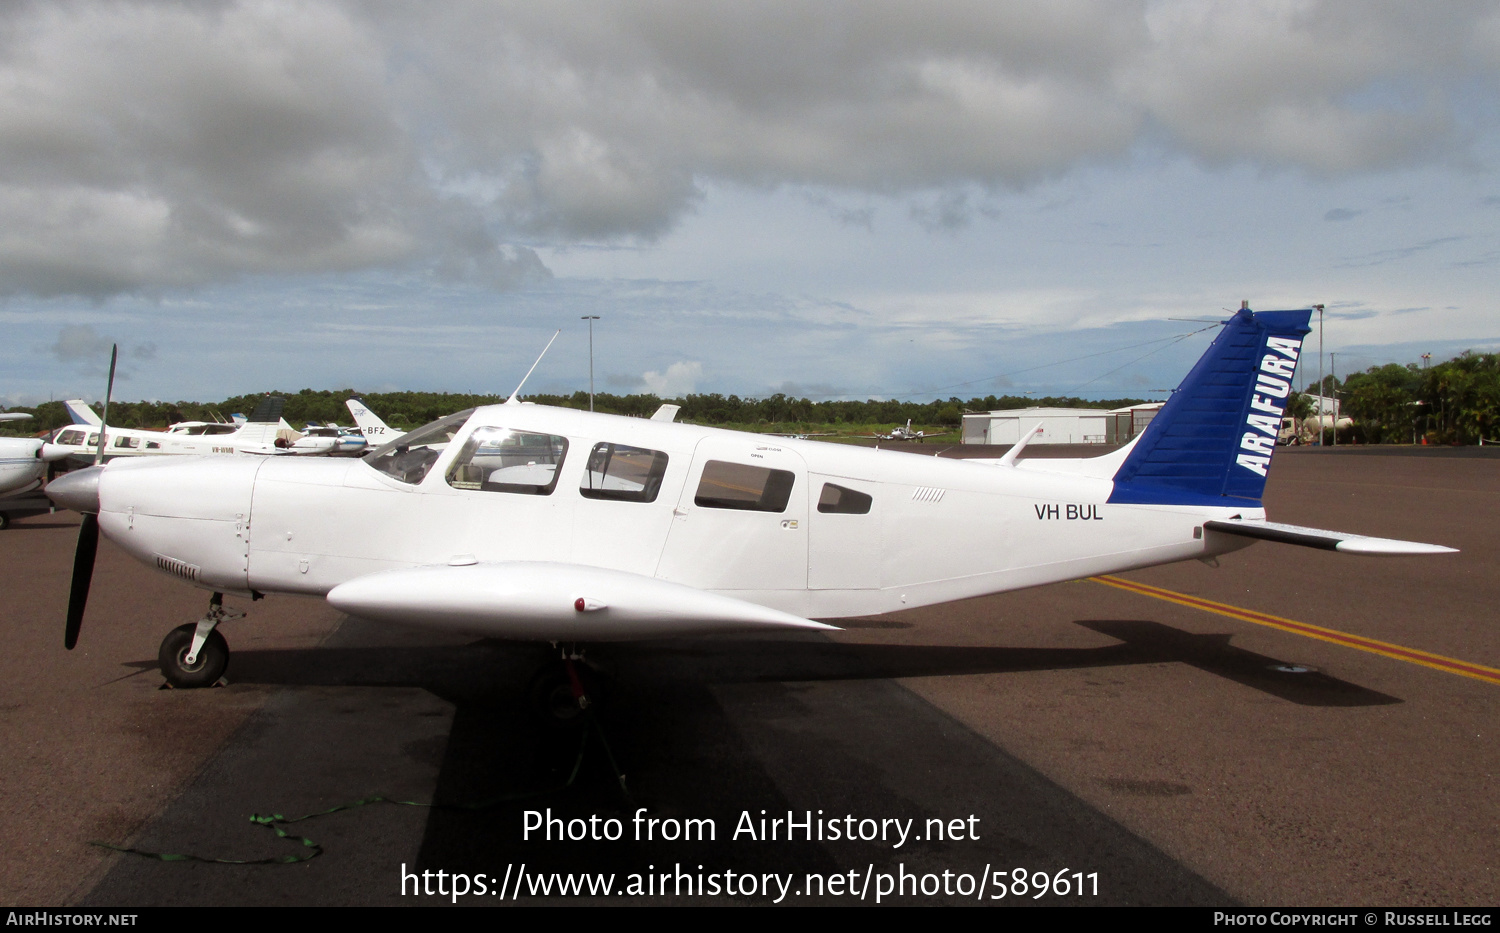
(78,490)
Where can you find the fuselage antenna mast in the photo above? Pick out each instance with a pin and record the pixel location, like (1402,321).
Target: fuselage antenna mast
(514,395)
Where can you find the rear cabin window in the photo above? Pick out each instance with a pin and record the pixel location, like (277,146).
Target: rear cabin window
(624,474)
(504,460)
(839,500)
(739,486)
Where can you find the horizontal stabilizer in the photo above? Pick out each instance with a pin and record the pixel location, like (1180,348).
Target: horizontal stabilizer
(547,601)
(1326,540)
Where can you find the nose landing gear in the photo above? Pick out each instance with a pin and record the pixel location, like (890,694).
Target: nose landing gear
(196,655)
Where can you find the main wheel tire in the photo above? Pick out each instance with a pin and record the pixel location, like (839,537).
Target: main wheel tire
(551,694)
(211,662)
(4,521)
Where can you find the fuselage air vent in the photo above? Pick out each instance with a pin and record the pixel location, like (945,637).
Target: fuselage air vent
(177,568)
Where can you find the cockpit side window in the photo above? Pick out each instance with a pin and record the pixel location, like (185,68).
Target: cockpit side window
(624,474)
(496,459)
(409,457)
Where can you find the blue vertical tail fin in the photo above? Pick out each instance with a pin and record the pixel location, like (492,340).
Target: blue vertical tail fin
(1211,443)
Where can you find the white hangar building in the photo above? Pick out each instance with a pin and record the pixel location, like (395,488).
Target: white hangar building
(1059,425)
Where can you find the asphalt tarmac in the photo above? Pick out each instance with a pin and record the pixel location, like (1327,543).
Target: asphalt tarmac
(1166,754)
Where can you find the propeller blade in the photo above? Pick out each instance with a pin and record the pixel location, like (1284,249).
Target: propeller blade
(83,572)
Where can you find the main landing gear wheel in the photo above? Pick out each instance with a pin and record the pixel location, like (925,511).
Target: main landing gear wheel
(562,694)
(206,668)
(4,521)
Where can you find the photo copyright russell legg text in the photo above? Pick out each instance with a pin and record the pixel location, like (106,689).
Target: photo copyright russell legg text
(515,880)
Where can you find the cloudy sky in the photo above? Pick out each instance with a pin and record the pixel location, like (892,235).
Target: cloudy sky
(829,199)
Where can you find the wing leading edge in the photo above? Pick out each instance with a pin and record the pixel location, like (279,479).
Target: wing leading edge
(552,602)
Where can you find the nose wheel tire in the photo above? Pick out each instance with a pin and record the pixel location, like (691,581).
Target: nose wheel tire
(206,669)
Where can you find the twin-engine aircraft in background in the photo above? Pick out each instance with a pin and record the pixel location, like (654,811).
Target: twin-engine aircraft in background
(530,522)
(900,433)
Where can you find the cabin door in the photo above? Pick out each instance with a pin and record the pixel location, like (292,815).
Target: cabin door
(741,521)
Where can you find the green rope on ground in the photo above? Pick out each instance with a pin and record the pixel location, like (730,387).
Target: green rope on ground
(275,821)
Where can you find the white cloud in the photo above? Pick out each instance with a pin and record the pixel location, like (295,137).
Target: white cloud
(680,379)
(146,146)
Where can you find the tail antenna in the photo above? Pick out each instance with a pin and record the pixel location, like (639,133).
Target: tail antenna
(513,396)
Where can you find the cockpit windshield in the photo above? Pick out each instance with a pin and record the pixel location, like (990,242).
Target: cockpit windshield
(410,456)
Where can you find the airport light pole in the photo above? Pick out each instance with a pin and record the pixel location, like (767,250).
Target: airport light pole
(1333,371)
(591,318)
(1320,374)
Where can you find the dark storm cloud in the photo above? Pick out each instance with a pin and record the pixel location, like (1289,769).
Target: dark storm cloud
(148,146)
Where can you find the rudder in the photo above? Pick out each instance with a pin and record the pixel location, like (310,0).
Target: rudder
(1213,439)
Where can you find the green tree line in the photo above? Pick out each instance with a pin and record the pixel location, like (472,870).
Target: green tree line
(1454,402)
(409,409)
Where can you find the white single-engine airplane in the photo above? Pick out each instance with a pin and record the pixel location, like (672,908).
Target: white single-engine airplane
(529,522)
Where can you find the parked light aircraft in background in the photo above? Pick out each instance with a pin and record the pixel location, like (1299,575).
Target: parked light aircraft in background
(899,433)
(531,522)
(264,432)
(23,468)
(370,425)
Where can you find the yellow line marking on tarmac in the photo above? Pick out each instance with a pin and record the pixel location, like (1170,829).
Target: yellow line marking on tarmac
(1398,652)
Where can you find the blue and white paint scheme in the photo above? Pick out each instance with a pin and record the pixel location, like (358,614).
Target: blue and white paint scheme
(525,521)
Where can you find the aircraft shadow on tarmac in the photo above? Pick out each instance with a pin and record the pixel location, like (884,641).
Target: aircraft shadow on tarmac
(464,669)
(686,729)
(712,727)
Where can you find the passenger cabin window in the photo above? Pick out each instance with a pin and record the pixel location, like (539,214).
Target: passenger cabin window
(739,486)
(504,460)
(73,438)
(839,500)
(129,442)
(625,474)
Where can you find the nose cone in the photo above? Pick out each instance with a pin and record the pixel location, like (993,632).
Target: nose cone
(78,490)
